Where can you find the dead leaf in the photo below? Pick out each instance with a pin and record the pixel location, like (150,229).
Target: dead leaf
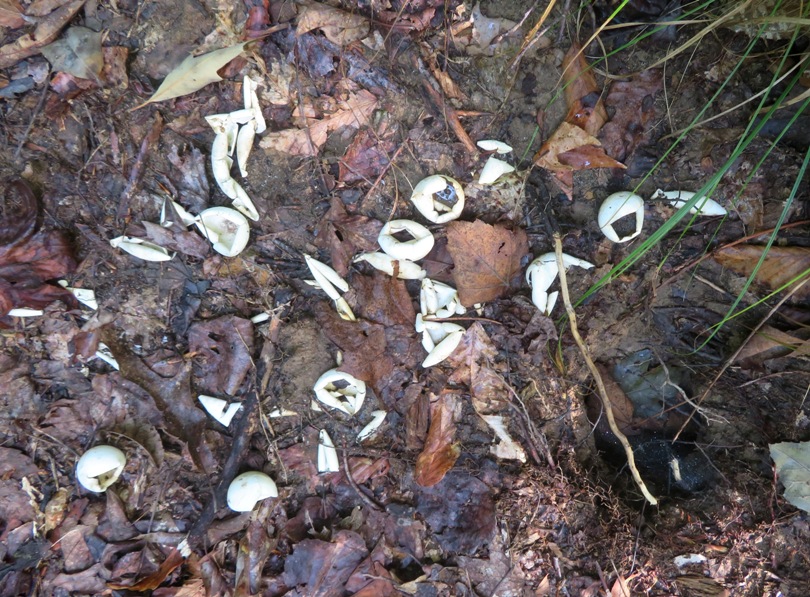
(471,362)
(366,157)
(620,588)
(11,14)
(223,349)
(339,27)
(384,299)
(440,451)
(563,142)
(343,236)
(769,343)
(583,96)
(194,73)
(46,31)
(487,259)
(77,53)
(781,265)
(154,580)
(324,567)
(633,110)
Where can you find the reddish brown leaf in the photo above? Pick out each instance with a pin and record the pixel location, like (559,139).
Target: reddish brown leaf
(563,142)
(11,14)
(586,157)
(770,343)
(47,31)
(324,567)
(440,452)
(633,105)
(781,265)
(223,347)
(383,299)
(583,96)
(154,580)
(366,157)
(345,235)
(487,259)
(620,404)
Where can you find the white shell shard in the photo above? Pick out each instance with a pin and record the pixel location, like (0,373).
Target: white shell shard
(226,229)
(408,270)
(100,467)
(542,272)
(327,455)
(492,145)
(252,103)
(220,409)
(615,207)
(443,349)
(378,416)
(493,169)
(327,278)
(25,312)
(439,300)
(186,219)
(244,145)
(277,413)
(106,355)
(142,249)
(418,247)
(248,489)
(260,317)
(507,448)
(242,202)
(85,296)
(221,163)
(438,198)
(344,310)
(223,124)
(340,391)
(704,206)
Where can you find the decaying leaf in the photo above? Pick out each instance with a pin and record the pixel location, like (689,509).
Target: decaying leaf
(633,110)
(564,151)
(781,265)
(344,235)
(487,259)
(440,452)
(223,347)
(339,27)
(792,462)
(78,53)
(194,73)
(583,96)
(11,14)
(769,343)
(46,31)
(154,580)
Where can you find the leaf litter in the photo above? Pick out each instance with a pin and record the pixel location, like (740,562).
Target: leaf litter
(438,498)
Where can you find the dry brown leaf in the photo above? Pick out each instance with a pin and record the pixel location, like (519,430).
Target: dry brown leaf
(194,73)
(11,14)
(47,30)
(472,363)
(154,580)
(633,105)
(563,142)
(77,52)
(583,96)
(440,452)
(339,27)
(343,236)
(781,265)
(620,404)
(487,259)
(769,343)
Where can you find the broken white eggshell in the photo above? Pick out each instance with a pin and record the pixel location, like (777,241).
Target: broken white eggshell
(493,169)
(542,272)
(248,489)
(226,229)
(244,145)
(617,206)
(186,219)
(507,448)
(408,270)
(85,296)
(106,355)
(220,409)
(341,391)
(142,249)
(413,250)
(327,455)
(439,300)
(492,145)
(704,206)
(249,87)
(100,467)
(328,280)
(25,312)
(277,413)
(438,198)
(445,348)
(378,416)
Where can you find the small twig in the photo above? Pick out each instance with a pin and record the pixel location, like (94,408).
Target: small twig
(737,352)
(572,322)
(367,500)
(451,117)
(137,169)
(30,126)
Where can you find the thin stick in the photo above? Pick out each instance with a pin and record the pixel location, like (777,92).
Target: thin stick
(572,321)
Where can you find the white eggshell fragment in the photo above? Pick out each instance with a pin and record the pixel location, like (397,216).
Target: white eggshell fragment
(704,206)
(244,145)
(493,169)
(378,416)
(615,207)
(248,489)
(542,272)
(226,229)
(186,219)
(220,409)
(327,278)
(327,455)
(439,300)
(25,312)
(142,249)
(438,198)
(100,467)
(507,448)
(408,270)
(443,349)
(492,145)
(413,250)
(341,391)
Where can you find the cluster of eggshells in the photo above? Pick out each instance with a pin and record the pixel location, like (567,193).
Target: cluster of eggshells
(226,228)
(542,272)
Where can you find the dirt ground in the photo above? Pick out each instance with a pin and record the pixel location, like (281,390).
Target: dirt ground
(425,506)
